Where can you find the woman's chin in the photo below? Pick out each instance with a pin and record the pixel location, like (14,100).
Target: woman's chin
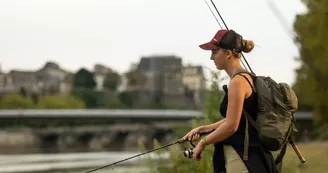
(218,67)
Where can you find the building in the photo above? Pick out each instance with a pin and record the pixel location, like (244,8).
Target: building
(100,72)
(164,81)
(163,73)
(6,83)
(48,79)
(26,81)
(51,78)
(194,82)
(193,77)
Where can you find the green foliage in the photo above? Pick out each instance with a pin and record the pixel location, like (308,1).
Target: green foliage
(136,78)
(114,102)
(176,161)
(23,91)
(15,101)
(91,98)
(60,102)
(112,80)
(320,133)
(311,84)
(128,98)
(303,91)
(213,98)
(83,79)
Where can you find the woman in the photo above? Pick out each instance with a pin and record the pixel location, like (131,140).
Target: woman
(228,137)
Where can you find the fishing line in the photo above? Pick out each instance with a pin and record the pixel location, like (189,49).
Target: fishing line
(133,156)
(146,152)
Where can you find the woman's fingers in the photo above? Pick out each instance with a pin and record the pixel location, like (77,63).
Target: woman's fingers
(193,135)
(190,136)
(196,137)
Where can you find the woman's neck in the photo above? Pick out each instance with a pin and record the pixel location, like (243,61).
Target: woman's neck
(233,68)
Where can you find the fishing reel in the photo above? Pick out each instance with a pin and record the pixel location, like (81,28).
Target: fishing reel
(188,153)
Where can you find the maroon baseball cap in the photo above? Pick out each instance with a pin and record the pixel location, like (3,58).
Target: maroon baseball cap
(227,39)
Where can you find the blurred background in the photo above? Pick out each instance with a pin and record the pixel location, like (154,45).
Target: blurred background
(87,83)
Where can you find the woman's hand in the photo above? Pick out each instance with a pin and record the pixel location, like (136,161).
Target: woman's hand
(198,150)
(193,135)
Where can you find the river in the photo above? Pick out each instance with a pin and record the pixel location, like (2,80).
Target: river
(74,162)
(131,169)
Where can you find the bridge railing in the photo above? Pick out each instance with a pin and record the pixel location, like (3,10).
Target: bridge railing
(113,114)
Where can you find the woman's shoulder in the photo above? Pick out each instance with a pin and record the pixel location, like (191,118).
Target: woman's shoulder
(246,80)
(237,83)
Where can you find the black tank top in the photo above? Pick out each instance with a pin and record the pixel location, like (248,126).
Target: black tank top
(250,106)
(260,160)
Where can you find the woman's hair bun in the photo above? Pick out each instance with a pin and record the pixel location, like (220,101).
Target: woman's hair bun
(248,46)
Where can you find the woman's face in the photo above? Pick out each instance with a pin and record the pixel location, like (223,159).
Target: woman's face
(219,56)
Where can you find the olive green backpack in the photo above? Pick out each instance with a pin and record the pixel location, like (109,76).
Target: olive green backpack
(277,103)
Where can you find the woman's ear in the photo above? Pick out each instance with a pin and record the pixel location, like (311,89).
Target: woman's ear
(229,54)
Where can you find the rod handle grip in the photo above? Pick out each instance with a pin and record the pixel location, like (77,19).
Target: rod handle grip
(298,152)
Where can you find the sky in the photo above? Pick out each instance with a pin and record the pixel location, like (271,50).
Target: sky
(82,33)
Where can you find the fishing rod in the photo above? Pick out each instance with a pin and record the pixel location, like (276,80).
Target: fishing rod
(189,151)
(227,28)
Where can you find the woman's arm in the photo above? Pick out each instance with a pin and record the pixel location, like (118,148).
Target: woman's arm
(236,94)
(193,134)
(212,126)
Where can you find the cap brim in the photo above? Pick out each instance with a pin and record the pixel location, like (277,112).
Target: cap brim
(208,46)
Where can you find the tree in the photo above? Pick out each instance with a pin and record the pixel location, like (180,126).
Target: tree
(311,85)
(128,98)
(213,98)
(112,80)
(136,78)
(304,91)
(15,101)
(84,79)
(91,98)
(60,102)
(23,91)
(83,85)
(115,103)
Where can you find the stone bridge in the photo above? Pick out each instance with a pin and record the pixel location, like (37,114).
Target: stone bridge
(115,137)
(95,130)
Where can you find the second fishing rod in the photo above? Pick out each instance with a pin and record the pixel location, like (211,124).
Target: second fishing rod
(227,28)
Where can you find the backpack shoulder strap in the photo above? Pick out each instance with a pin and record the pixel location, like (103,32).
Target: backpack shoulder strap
(242,71)
(248,82)
(238,72)
(246,115)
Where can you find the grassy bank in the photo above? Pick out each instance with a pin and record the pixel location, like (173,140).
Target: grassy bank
(316,155)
